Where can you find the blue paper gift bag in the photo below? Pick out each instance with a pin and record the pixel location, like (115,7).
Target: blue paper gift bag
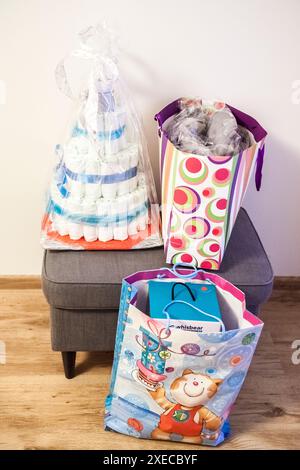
(202,296)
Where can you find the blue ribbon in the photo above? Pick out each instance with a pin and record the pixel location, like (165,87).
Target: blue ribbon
(97,219)
(62,172)
(77,132)
(104,179)
(103,135)
(63,191)
(61,180)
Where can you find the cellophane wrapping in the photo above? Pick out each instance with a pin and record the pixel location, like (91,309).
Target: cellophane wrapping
(102,193)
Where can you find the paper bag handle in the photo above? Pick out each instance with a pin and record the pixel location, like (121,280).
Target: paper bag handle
(186,286)
(190,275)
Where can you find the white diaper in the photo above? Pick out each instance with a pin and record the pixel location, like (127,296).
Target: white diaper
(75,228)
(105,232)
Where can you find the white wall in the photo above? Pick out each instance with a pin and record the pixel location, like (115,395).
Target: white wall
(244,52)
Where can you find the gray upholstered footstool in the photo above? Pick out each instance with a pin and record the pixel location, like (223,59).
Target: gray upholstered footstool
(83,287)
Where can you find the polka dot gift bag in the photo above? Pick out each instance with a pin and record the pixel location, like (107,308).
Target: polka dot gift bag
(178,383)
(208,151)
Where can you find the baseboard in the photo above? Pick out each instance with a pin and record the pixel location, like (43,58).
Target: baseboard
(20,282)
(34,282)
(287,282)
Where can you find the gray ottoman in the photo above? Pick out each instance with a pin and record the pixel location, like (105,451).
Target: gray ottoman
(83,287)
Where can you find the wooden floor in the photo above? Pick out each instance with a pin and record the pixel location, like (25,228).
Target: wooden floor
(40,409)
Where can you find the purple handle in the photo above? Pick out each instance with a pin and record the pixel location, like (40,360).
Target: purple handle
(259,165)
(250,123)
(166,112)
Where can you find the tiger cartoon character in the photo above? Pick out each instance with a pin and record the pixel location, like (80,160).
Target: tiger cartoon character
(187,415)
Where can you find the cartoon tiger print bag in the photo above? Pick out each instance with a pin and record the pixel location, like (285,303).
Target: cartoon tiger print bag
(172,384)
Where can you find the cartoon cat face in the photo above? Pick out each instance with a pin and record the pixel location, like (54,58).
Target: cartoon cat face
(193,389)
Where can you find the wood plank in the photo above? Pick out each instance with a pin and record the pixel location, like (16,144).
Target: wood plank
(281,316)
(40,409)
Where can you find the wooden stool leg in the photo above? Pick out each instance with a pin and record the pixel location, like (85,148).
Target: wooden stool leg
(69,358)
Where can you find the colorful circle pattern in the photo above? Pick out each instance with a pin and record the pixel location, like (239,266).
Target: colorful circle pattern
(211,371)
(135,424)
(196,227)
(236,360)
(186,200)
(216,210)
(217,231)
(179,242)
(221,177)
(191,349)
(208,247)
(209,264)
(183,257)
(236,379)
(164,355)
(193,170)
(208,192)
(248,339)
(234,357)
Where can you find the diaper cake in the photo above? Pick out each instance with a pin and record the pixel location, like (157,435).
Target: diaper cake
(102,194)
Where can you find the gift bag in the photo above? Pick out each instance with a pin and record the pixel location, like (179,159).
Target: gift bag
(102,194)
(202,192)
(172,384)
(186,305)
